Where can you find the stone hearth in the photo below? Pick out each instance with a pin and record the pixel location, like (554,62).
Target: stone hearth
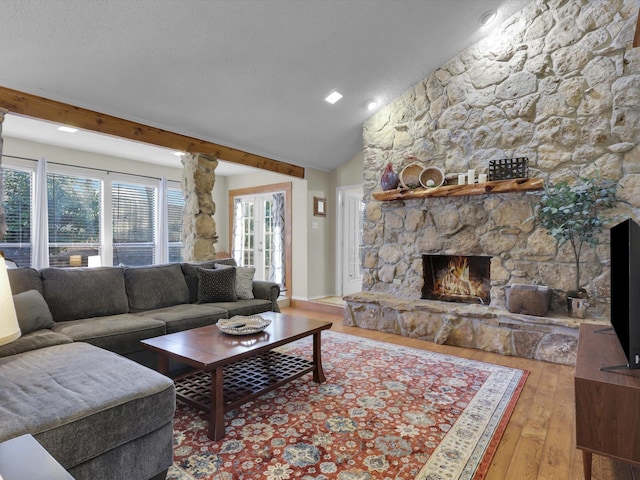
(551,338)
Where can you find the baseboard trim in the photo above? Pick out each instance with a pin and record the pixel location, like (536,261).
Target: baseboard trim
(316,307)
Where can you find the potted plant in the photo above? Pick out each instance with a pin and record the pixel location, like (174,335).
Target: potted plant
(573,213)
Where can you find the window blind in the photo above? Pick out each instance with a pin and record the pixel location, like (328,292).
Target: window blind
(175,210)
(74,209)
(134,223)
(16,201)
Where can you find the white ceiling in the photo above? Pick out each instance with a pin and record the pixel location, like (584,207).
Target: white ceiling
(248,74)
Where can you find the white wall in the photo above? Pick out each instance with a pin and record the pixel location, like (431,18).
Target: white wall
(32,150)
(350,173)
(320,245)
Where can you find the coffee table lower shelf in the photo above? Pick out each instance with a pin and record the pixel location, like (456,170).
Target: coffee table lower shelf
(243,381)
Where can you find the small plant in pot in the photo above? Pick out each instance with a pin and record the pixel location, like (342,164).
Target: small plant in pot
(573,213)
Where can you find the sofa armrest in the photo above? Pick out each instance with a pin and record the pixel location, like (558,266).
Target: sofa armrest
(267,291)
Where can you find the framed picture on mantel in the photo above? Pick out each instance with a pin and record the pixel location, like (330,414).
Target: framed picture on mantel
(319,207)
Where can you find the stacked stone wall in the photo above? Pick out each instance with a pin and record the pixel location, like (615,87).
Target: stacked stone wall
(199,234)
(558,83)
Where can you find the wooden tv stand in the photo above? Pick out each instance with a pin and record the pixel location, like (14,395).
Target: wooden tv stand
(607,403)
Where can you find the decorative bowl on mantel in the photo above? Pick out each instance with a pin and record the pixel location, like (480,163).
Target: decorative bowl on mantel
(410,176)
(243,325)
(431,177)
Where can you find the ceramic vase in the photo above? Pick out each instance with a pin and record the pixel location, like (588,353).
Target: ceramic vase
(390,179)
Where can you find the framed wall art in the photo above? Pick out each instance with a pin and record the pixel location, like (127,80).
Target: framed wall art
(319,207)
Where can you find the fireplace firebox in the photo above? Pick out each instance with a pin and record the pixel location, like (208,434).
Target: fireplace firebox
(457,278)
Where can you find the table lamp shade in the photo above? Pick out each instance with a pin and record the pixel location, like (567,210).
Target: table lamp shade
(9,328)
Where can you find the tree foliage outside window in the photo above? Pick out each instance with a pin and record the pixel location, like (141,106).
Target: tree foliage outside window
(74,209)
(74,217)
(17,187)
(17,205)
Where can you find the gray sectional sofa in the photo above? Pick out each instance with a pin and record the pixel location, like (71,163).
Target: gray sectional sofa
(70,379)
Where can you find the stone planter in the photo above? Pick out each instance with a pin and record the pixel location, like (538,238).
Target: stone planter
(528,299)
(577,307)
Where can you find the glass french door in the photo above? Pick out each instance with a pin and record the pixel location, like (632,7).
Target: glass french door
(258,234)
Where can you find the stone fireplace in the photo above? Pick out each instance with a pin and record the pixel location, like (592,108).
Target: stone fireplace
(557,83)
(457,278)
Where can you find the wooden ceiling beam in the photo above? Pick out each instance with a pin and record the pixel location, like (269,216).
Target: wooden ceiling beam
(51,110)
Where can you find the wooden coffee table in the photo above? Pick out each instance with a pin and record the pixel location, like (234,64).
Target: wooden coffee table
(230,370)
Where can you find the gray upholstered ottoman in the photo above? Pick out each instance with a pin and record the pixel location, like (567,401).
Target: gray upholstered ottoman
(100,415)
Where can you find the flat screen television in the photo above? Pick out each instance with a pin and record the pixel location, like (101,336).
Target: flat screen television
(625,288)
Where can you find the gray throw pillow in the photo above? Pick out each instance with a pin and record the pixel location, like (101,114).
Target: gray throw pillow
(32,311)
(218,285)
(190,271)
(244,282)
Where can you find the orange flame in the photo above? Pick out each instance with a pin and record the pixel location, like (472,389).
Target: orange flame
(454,280)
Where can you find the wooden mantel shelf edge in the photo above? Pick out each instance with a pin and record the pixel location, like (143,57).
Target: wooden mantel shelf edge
(496,186)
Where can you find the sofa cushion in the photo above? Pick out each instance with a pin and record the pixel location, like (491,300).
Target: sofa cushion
(186,316)
(231,262)
(244,307)
(145,457)
(217,285)
(33,341)
(81,402)
(267,291)
(190,271)
(32,311)
(23,279)
(118,333)
(244,282)
(73,293)
(155,286)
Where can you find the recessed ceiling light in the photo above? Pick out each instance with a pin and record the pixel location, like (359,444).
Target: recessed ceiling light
(371,104)
(487,17)
(68,129)
(333,97)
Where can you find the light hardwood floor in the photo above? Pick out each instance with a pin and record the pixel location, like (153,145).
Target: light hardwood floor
(540,441)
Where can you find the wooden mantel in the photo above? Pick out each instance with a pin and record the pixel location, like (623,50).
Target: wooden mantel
(53,111)
(496,186)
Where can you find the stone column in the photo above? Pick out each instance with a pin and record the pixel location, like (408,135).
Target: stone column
(198,226)
(3,216)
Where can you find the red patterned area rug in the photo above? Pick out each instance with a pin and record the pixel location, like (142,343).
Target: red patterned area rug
(385,412)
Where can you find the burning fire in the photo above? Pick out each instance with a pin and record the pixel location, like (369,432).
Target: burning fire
(454,280)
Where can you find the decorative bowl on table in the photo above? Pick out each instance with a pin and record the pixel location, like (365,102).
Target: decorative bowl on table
(243,325)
